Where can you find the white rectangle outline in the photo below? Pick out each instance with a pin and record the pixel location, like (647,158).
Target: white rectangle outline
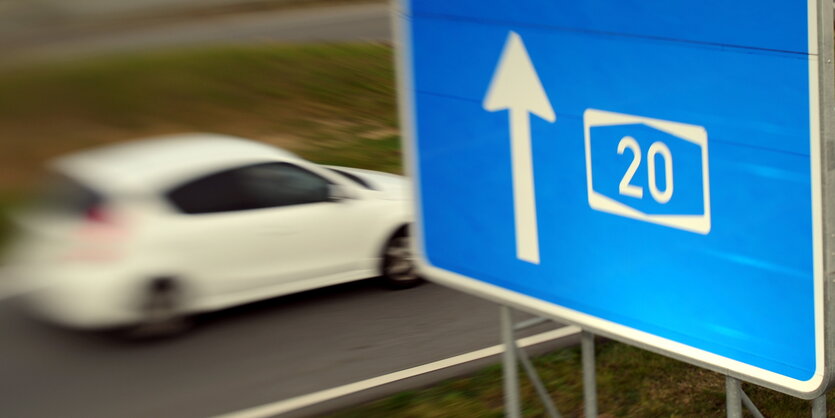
(690,133)
(803,388)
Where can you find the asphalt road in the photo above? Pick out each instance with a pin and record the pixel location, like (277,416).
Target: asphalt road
(361,22)
(240,358)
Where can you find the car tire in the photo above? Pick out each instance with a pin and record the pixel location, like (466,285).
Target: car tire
(162,313)
(398,266)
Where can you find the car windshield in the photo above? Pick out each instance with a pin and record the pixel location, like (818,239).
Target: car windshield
(353,177)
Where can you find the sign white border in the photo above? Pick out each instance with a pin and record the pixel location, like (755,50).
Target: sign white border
(807,389)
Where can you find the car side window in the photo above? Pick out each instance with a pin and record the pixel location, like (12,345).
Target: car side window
(251,187)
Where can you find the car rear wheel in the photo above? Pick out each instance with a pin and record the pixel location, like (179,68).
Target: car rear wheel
(399,270)
(162,314)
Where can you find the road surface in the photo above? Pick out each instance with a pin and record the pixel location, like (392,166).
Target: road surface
(360,22)
(244,357)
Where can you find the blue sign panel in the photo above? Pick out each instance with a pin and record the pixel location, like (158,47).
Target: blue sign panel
(645,168)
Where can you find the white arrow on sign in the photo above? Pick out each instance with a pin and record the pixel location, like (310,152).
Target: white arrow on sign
(516,87)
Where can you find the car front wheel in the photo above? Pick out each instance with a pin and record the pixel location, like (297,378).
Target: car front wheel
(399,270)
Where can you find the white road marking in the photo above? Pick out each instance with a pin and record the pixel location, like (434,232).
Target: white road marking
(292,404)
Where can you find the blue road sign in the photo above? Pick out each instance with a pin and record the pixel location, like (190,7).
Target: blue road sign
(647,169)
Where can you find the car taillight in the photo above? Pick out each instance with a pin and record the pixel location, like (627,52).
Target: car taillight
(100,238)
(97,214)
(101,222)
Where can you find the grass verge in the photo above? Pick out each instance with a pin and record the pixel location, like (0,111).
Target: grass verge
(631,383)
(330,103)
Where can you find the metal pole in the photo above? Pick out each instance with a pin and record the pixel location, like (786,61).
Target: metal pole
(541,390)
(734,401)
(511,376)
(589,374)
(819,407)
(749,404)
(529,323)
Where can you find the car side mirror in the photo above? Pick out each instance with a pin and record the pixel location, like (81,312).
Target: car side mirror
(338,193)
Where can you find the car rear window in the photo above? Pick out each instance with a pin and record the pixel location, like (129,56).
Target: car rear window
(62,194)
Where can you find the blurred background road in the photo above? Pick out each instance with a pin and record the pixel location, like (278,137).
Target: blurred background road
(87,35)
(240,358)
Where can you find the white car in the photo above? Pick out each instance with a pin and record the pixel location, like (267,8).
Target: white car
(141,234)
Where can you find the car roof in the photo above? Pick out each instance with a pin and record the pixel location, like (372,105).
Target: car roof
(158,162)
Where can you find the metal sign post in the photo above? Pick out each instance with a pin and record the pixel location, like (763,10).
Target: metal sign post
(589,374)
(513,354)
(651,171)
(511,374)
(733,398)
(819,407)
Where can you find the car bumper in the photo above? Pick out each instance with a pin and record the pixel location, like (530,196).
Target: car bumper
(83,299)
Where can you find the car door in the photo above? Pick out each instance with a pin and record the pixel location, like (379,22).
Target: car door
(262,225)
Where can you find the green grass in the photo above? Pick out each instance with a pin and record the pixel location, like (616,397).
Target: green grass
(631,383)
(330,103)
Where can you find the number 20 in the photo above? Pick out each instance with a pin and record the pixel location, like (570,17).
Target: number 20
(627,189)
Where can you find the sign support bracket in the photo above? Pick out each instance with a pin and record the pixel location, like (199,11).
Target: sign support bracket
(514,353)
(750,404)
(736,398)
